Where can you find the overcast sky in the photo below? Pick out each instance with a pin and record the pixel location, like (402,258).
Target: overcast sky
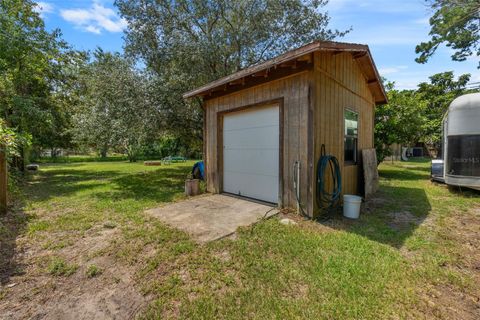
(392,29)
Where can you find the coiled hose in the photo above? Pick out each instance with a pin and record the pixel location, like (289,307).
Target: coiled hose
(327,200)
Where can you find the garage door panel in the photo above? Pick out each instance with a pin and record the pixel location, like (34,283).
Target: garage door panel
(258,137)
(235,160)
(244,119)
(252,185)
(251,153)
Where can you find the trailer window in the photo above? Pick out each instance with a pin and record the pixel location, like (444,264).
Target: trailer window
(463,155)
(351,136)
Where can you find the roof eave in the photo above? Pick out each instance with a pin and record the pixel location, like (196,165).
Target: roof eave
(379,80)
(292,55)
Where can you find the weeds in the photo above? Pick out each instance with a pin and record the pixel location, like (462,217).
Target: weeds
(59,267)
(93,271)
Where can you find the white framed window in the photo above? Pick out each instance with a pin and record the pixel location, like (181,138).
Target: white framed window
(351,136)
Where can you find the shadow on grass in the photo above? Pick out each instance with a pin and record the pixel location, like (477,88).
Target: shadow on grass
(463,191)
(410,174)
(159,185)
(63,182)
(12,224)
(390,217)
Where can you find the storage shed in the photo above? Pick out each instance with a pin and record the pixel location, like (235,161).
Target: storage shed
(262,121)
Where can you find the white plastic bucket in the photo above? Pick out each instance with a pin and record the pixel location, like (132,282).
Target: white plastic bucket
(351,206)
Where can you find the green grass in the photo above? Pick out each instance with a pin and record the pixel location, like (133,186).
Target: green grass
(93,271)
(59,267)
(79,158)
(377,267)
(86,194)
(92,158)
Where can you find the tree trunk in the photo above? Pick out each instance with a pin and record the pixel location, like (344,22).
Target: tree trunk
(132,156)
(20,161)
(103,152)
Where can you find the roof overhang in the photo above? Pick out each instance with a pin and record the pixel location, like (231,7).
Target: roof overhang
(294,61)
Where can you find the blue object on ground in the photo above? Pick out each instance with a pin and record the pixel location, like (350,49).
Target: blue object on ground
(201,169)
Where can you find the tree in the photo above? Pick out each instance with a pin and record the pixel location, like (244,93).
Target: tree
(437,95)
(413,116)
(186,44)
(455,23)
(11,141)
(115,111)
(400,121)
(32,75)
(219,37)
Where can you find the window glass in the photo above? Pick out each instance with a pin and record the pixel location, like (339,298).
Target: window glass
(351,136)
(463,156)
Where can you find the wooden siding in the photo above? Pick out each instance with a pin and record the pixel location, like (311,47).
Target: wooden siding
(340,85)
(313,104)
(293,93)
(300,57)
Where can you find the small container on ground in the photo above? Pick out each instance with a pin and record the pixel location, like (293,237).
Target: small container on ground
(192,187)
(351,206)
(32,167)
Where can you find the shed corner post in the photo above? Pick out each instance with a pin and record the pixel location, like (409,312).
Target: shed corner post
(313,135)
(204,136)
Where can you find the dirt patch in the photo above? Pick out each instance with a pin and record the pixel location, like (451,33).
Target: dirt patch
(459,301)
(36,294)
(296,291)
(443,302)
(403,220)
(223,256)
(375,202)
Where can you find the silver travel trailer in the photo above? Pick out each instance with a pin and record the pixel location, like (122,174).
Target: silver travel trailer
(461,144)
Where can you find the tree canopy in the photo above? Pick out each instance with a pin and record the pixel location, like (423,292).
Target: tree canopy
(52,96)
(185,44)
(115,111)
(413,116)
(210,39)
(455,23)
(437,96)
(399,121)
(35,72)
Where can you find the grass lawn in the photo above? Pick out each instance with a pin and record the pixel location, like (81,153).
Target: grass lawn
(80,239)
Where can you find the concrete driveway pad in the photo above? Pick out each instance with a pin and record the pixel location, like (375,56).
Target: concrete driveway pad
(211,217)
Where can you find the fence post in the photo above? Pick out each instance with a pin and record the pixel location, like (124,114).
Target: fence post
(3,182)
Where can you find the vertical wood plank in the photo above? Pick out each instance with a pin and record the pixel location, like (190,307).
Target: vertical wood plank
(310,119)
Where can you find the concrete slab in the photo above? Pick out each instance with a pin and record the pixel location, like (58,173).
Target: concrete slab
(211,217)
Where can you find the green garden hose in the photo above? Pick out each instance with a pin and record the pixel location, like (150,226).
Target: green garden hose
(327,200)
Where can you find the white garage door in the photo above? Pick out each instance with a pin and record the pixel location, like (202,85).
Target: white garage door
(251,153)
